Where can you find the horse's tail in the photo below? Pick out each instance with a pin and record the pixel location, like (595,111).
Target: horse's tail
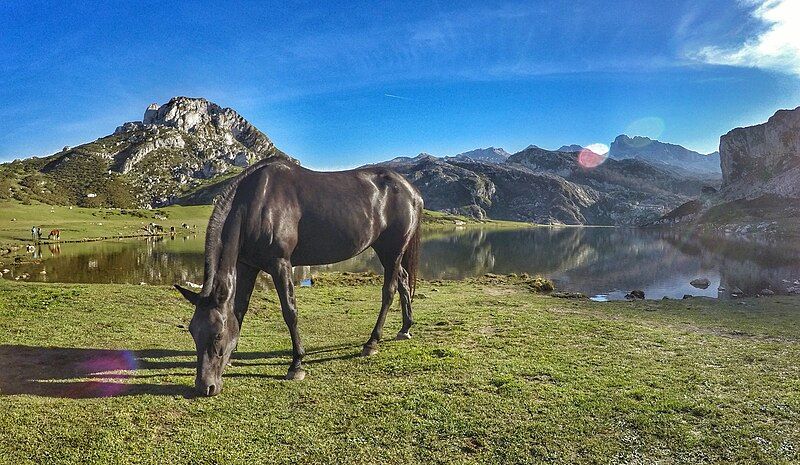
(410,260)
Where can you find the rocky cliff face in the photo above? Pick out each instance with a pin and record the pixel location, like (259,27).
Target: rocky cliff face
(657,152)
(762,159)
(760,191)
(176,148)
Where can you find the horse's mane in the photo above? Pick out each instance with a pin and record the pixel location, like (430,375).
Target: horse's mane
(216,223)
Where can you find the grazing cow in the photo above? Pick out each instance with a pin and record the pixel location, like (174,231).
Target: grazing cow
(54,233)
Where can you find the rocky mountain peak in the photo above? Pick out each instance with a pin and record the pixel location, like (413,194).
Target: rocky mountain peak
(570,148)
(173,150)
(207,120)
(489,154)
(655,151)
(150,113)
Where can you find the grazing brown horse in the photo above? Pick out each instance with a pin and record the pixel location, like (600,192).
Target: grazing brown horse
(54,233)
(276,215)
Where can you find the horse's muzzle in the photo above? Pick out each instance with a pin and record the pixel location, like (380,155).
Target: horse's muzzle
(208,390)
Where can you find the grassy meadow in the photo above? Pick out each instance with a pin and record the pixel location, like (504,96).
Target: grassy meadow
(78,223)
(494,374)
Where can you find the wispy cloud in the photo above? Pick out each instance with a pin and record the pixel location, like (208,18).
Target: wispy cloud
(396,96)
(776,47)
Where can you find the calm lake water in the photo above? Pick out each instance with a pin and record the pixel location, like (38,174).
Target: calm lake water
(605,262)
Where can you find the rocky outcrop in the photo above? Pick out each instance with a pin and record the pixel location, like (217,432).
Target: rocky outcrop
(760,192)
(178,147)
(762,159)
(657,152)
(208,121)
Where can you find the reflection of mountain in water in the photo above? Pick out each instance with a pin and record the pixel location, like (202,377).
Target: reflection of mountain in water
(750,266)
(590,260)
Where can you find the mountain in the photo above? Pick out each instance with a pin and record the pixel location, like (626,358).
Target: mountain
(658,152)
(489,155)
(763,159)
(760,189)
(565,148)
(177,148)
(546,186)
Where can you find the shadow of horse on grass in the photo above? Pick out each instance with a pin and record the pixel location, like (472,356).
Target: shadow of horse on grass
(85,373)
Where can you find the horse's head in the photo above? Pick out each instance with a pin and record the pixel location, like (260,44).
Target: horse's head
(215,331)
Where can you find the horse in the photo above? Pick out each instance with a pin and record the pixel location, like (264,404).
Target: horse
(276,215)
(54,233)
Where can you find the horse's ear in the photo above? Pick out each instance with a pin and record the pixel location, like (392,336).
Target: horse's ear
(191,296)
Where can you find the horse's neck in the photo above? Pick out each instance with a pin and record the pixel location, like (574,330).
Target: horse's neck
(223,285)
(222,282)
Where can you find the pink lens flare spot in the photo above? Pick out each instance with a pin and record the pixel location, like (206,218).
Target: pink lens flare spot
(587,158)
(115,365)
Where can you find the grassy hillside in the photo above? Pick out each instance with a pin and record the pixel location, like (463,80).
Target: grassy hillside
(494,374)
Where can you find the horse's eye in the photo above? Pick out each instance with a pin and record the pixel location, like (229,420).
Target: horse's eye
(218,337)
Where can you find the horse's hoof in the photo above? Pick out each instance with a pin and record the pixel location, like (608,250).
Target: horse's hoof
(401,336)
(368,351)
(295,375)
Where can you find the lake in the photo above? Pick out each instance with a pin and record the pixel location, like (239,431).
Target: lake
(601,262)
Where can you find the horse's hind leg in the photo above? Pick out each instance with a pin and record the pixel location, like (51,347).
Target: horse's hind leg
(281,272)
(391,268)
(404,289)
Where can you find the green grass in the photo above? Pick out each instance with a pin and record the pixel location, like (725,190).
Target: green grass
(494,374)
(78,223)
(435,219)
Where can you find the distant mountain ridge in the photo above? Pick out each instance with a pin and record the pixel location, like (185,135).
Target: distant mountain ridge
(547,186)
(655,151)
(490,155)
(678,158)
(568,148)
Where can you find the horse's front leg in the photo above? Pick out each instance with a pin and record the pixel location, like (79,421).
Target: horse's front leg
(245,282)
(281,272)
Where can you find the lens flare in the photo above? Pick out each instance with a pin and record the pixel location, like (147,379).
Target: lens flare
(107,365)
(593,155)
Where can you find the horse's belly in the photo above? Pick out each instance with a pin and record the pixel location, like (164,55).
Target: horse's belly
(323,253)
(331,243)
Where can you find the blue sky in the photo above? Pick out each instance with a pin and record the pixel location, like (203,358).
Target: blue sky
(339,86)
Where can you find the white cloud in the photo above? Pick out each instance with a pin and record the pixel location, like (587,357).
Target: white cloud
(776,47)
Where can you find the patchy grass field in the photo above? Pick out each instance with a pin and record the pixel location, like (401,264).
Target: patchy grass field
(494,374)
(434,219)
(80,223)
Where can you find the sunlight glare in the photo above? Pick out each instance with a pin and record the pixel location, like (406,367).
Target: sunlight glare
(593,155)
